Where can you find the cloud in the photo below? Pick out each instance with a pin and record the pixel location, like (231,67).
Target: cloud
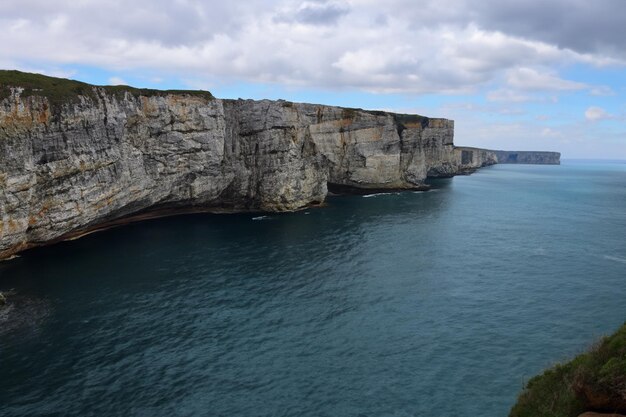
(579,25)
(455,47)
(534,80)
(594,114)
(117,81)
(602,90)
(551,133)
(511,96)
(320,13)
(455,109)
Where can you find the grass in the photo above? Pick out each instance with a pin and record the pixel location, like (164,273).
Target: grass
(60,91)
(593,381)
(402,120)
(411,119)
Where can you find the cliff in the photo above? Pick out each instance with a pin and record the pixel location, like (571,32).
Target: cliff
(528,157)
(470,159)
(76,157)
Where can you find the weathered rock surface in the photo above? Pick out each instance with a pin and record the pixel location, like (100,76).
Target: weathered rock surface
(526,157)
(75,157)
(470,159)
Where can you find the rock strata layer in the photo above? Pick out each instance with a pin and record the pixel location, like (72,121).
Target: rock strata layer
(76,157)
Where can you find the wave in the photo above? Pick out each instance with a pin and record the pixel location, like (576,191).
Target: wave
(615,258)
(377,194)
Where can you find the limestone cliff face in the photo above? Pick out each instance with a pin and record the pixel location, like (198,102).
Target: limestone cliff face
(528,157)
(71,166)
(470,159)
(75,157)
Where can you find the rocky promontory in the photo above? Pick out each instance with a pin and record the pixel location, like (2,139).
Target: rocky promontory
(76,157)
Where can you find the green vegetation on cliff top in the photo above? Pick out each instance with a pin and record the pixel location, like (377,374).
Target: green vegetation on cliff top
(351,113)
(593,381)
(61,90)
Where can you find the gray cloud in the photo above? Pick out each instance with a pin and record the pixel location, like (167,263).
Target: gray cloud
(321,13)
(313,12)
(581,25)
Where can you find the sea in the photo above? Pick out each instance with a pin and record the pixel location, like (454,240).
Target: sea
(441,303)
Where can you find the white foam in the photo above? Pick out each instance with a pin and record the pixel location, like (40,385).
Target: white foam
(615,258)
(261,218)
(10,258)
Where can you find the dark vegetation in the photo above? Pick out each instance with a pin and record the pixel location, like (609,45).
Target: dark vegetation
(404,119)
(593,381)
(411,119)
(60,91)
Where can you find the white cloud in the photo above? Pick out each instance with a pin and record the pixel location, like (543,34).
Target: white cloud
(117,81)
(534,80)
(548,132)
(595,114)
(506,95)
(602,90)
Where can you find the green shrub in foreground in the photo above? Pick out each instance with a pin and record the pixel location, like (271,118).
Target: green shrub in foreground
(593,381)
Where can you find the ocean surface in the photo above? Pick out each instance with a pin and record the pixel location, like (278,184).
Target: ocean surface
(439,303)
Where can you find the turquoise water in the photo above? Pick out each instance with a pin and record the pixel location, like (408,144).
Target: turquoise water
(416,304)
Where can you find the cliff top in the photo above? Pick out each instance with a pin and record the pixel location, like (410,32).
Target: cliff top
(59,91)
(62,90)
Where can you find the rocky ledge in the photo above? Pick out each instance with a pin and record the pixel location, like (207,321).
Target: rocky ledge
(76,157)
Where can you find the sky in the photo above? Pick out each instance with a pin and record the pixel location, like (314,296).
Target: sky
(513,74)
